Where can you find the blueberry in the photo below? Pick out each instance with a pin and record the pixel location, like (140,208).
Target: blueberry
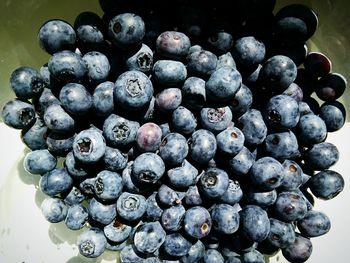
(169,72)
(282,112)
(182,176)
(321,156)
(241,163)
(130,184)
(119,132)
(167,196)
(281,234)
(226,60)
(290,206)
(102,99)
(299,251)
(292,175)
(183,120)
(253,256)
(295,92)
(98,67)
(148,168)
(202,146)
(172,217)
(114,159)
(252,124)
(141,60)
(45,99)
(193,92)
(220,40)
(56,35)
(75,99)
(312,129)
(233,260)
(333,114)
(128,255)
(252,216)
(133,90)
(153,210)
(173,44)
(56,182)
(314,224)
(108,186)
(75,168)
(39,162)
(326,184)
(230,141)
(101,213)
(290,29)
(277,73)
(112,246)
(92,242)
(74,197)
(266,173)
(213,183)
(212,255)
(193,197)
(223,84)
(173,149)
(260,198)
(215,119)
(201,63)
(176,245)
(58,120)
(76,218)
(248,52)
(233,194)
(152,260)
(225,218)
(89,30)
(18,114)
(317,64)
(195,253)
(149,237)
(27,83)
(282,145)
(131,207)
(53,209)
(168,99)
(67,66)
(197,222)
(117,232)
(35,137)
(126,30)
(87,186)
(148,137)
(89,146)
(241,102)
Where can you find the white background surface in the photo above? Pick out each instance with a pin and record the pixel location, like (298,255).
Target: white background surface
(25,236)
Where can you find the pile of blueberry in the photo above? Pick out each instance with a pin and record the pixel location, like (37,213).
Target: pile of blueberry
(188,132)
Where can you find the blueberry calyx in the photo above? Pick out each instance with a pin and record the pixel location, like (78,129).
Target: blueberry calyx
(274,116)
(134,87)
(121,131)
(85,145)
(26,116)
(131,203)
(144,61)
(216,115)
(87,247)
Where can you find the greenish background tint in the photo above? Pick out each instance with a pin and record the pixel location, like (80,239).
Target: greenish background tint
(21,19)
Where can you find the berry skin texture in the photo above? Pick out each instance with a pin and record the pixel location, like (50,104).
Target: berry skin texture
(213,255)
(183,120)
(102,99)
(98,67)
(281,234)
(58,120)
(314,224)
(148,137)
(148,168)
(133,90)
(230,141)
(126,30)
(27,83)
(173,45)
(248,52)
(76,218)
(197,222)
(101,213)
(53,209)
(56,182)
(56,35)
(173,149)
(75,99)
(131,207)
(254,127)
(202,146)
(176,245)
(299,251)
(108,186)
(149,237)
(255,223)
(202,63)
(214,183)
(223,84)
(225,218)
(168,100)
(92,242)
(39,162)
(169,72)
(182,176)
(117,232)
(321,156)
(215,119)
(326,184)
(290,206)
